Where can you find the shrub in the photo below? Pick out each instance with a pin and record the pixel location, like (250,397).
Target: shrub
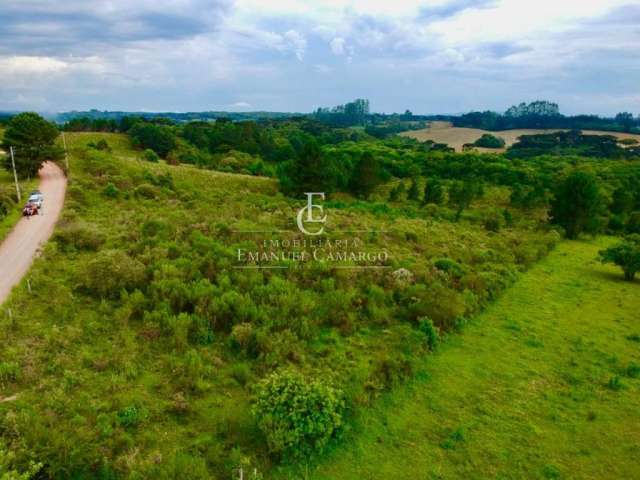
(615,383)
(100,145)
(492,222)
(626,255)
(297,416)
(146,191)
(489,141)
(79,236)
(9,372)
(150,156)
(200,331)
(112,271)
(388,371)
(7,467)
(6,203)
(426,326)
(243,339)
(131,416)
(241,372)
(449,266)
(632,370)
(111,191)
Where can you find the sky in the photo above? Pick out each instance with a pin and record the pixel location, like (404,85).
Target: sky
(433,56)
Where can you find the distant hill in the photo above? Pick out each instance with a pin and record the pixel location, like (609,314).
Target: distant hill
(177,117)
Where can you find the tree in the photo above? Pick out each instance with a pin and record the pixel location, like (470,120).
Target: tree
(461,194)
(625,255)
(366,175)
(414,190)
(622,201)
(33,142)
(625,119)
(489,141)
(433,192)
(310,171)
(297,416)
(159,138)
(576,204)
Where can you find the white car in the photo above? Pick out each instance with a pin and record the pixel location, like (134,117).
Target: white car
(36,198)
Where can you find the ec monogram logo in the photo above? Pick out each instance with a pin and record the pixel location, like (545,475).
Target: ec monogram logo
(310,216)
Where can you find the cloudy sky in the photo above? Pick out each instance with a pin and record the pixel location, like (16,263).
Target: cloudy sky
(431,56)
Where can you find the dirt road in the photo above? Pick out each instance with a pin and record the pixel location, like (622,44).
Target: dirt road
(23,243)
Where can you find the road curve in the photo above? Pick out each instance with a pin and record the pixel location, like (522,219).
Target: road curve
(22,245)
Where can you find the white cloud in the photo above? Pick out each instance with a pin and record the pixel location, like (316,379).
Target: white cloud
(296,42)
(31,65)
(337,46)
(322,68)
(177,52)
(240,106)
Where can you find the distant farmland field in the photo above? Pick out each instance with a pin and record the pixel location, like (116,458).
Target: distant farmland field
(456,137)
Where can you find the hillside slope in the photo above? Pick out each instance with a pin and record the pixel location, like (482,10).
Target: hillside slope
(140,344)
(544,384)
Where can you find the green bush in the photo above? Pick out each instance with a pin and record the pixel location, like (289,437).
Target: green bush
(7,202)
(297,416)
(79,236)
(492,222)
(111,191)
(146,191)
(7,467)
(626,255)
(489,141)
(131,416)
(9,372)
(426,326)
(388,371)
(150,156)
(449,266)
(111,271)
(100,145)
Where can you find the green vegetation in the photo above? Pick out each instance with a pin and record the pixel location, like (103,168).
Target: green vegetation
(626,255)
(10,209)
(543,384)
(577,204)
(298,417)
(544,114)
(7,472)
(489,141)
(165,360)
(157,343)
(571,143)
(32,139)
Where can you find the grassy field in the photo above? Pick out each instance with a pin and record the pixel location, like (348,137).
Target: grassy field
(456,137)
(543,384)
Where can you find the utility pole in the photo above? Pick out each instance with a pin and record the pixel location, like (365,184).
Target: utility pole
(66,156)
(15,175)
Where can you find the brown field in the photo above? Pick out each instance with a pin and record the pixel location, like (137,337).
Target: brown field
(456,137)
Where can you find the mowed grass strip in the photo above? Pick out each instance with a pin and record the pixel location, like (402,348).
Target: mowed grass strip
(543,384)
